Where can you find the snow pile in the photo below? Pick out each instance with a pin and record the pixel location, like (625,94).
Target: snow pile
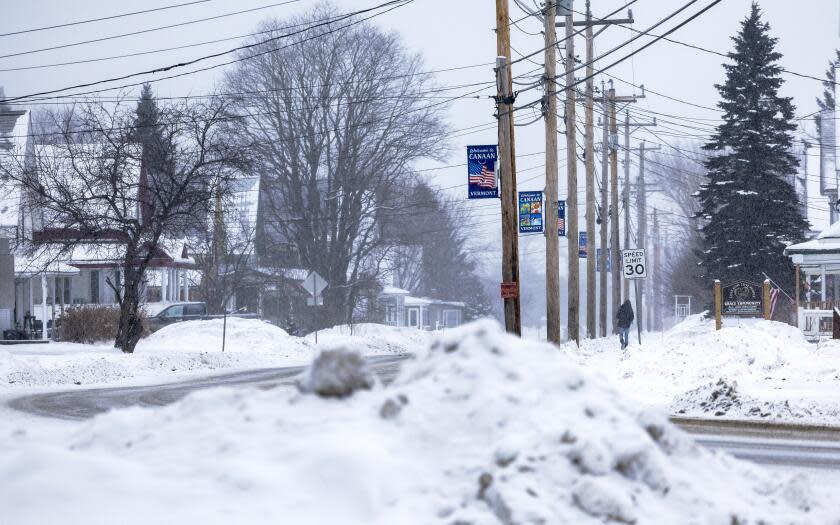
(337,373)
(483,428)
(241,335)
(195,346)
(755,369)
(374,339)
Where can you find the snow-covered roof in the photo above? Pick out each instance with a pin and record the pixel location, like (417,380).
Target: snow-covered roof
(828,241)
(14,144)
(393,290)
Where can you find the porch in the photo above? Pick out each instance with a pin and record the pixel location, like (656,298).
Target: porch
(817,278)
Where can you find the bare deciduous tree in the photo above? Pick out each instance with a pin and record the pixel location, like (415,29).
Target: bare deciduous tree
(335,115)
(95,186)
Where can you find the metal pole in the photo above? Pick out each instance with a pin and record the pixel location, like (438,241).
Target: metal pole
(224,328)
(315,301)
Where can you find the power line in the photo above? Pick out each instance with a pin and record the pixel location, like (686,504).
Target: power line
(112,17)
(391,4)
(150,30)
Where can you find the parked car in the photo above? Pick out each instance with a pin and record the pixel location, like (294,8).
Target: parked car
(175,313)
(162,314)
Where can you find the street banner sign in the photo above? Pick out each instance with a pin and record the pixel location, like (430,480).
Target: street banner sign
(634,263)
(530,212)
(561,218)
(481,172)
(598,260)
(582,247)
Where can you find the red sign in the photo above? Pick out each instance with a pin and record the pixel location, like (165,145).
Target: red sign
(510,291)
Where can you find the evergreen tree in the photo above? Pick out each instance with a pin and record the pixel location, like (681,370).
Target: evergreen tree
(827,99)
(750,210)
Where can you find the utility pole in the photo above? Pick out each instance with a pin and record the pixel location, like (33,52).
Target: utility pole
(612,215)
(605,184)
(571,185)
(552,250)
(657,275)
(641,229)
(625,201)
(507,168)
(616,254)
(614,211)
(589,159)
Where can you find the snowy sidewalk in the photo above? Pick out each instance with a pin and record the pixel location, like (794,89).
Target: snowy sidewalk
(755,370)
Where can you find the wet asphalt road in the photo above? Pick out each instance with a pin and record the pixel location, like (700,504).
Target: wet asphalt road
(82,404)
(756,441)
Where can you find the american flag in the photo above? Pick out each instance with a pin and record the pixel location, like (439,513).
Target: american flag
(774,296)
(481,176)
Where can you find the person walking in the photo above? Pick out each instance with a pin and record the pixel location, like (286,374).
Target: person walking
(625,319)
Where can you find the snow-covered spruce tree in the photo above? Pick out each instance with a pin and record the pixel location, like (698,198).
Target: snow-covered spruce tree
(748,209)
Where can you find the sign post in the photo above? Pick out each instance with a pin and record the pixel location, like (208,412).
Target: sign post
(717,304)
(634,267)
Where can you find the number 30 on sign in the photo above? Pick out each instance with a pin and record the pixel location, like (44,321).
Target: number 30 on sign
(633,263)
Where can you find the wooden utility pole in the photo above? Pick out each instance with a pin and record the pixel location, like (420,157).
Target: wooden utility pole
(589,159)
(571,185)
(625,201)
(572,227)
(552,249)
(507,168)
(641,230)
(510,239)
(605,184)
(616,253)
(657,274)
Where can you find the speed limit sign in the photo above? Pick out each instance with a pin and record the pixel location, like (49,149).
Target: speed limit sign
(634,263)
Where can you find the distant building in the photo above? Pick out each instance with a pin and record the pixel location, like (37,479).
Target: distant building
(400,308)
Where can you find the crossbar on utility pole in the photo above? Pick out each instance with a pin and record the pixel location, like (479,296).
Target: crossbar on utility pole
(552,248)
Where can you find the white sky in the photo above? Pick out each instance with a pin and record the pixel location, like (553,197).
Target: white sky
(449,33)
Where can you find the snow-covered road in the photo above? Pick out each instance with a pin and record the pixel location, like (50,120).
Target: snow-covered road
(769,444)
(85,403)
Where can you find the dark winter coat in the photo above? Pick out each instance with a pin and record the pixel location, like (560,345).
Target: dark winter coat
(625,315)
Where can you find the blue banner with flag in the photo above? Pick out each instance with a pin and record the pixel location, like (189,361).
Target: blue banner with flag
(561,218)
(530,212)
(582,245)
(598,260)
(481,172)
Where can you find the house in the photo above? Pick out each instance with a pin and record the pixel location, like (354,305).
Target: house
(400,308)
(53,268)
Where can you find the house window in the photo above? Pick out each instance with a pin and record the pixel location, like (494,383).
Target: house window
(413,317)
(62,290)
(451,318)
(425,312)
(94,286)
